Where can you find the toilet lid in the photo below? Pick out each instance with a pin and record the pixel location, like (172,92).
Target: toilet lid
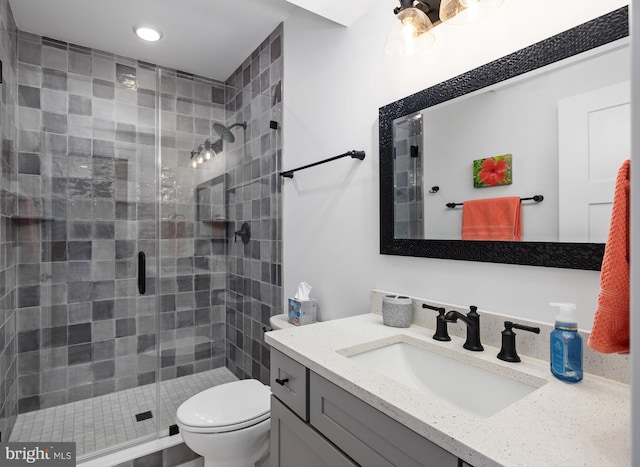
(226,407)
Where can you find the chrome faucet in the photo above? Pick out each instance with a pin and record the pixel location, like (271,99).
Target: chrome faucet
(472,320)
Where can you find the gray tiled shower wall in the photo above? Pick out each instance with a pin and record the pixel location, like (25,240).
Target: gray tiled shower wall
(88,194)
(408,155)
(254,280)
(8,179)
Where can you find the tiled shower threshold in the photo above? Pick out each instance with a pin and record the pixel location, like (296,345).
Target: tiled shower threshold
(103,422)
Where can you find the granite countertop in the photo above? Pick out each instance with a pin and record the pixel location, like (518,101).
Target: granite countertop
(582,424)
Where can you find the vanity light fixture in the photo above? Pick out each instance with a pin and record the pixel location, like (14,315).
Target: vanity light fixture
(413,33)
(147,33)
(206,151)
(203,152)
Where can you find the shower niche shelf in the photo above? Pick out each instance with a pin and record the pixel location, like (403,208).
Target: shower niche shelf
(33,209)
(211,208)
(23,218)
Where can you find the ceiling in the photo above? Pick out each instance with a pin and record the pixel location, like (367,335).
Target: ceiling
(205,37)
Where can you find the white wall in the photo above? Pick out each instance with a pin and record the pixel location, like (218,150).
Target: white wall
(635,227)
(519,119)
(335,79)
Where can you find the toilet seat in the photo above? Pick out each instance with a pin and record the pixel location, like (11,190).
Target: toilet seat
(224,429)
(224,408)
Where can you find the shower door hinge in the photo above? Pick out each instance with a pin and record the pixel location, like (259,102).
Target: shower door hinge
(173,430)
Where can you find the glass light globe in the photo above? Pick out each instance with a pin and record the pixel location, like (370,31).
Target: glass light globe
(466,11)
(411,34)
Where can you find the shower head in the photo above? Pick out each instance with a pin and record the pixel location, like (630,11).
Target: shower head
(225,132)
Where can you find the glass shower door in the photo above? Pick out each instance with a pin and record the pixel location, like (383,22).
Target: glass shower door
(194,234)
(220,237)
(86,206)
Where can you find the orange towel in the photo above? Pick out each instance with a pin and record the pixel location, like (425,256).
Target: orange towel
(492,219)
(610,332)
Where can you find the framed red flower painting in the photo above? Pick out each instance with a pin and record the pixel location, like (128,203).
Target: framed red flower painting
(492,171)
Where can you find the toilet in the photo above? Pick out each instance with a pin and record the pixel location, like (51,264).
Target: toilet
(280,322)
(228,425)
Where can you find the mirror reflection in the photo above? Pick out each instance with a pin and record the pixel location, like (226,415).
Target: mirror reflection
(560,132)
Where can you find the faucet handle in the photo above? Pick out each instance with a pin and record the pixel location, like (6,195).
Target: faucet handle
(508,351)
(441,324)
(473,311)
(535,330)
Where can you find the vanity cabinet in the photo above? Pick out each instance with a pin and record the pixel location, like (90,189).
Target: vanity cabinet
(314,422)
(294,443)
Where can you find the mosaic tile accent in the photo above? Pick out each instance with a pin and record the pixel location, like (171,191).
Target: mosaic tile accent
(109,420)
(9,165)
(254,281)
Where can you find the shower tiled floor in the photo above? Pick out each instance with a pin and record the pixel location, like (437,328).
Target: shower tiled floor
(106,421)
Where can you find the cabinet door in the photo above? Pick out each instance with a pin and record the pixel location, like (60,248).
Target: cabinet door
(367,435)
(289,383)
(296,444)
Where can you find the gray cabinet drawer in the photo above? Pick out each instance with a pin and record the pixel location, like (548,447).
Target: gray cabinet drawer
(296,444)
(289,381)
(367,435)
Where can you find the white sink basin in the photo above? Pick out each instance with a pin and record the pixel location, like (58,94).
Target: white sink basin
(473,390)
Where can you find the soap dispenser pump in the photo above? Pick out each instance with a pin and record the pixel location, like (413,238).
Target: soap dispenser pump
(566,345)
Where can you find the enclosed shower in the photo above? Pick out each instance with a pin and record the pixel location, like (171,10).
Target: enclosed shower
(124,288)
(408,156)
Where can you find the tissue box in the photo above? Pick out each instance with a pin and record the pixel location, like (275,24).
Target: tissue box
(302,311)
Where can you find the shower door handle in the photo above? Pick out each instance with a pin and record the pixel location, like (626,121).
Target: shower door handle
(142,272)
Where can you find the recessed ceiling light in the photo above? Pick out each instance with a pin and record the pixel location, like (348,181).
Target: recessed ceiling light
(147,33)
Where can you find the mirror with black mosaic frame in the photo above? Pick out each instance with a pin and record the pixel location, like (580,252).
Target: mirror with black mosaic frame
(601,32)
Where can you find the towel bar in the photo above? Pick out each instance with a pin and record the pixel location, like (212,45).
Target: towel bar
(536,198)
(354,154)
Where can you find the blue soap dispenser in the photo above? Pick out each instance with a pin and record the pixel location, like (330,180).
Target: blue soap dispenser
(566,345)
